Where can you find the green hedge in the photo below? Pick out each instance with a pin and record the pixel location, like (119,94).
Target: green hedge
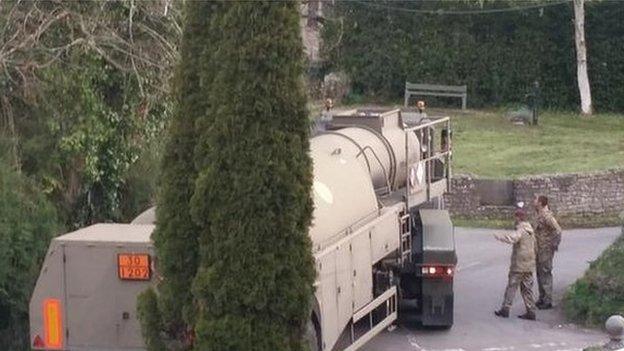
(497,55)
(27,223)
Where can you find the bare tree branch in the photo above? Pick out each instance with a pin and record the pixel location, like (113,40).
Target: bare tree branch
(36,36)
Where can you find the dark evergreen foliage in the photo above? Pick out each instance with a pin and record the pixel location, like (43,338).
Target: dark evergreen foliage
(27,223)
(176,235)
(498,55)
(252,201)
(151,320)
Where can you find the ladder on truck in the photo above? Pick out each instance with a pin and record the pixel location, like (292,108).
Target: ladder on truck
(406,237)
(424,134)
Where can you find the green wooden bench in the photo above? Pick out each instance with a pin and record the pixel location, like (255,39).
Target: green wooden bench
(412,89)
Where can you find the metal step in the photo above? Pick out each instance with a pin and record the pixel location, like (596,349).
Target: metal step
(389,298)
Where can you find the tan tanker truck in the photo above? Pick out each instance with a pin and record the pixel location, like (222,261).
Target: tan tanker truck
(383,245)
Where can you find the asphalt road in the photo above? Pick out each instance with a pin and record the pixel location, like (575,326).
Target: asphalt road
(479,285)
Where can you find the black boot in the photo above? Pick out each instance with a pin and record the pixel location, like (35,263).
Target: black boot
(503,312)
(529,315)
(544,306)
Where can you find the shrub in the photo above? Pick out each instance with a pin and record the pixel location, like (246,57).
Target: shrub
(151,321)
(27,224)
(252,200)
(600,292)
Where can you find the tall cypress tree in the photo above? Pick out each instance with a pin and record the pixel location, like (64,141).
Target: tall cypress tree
(176,235)
(252,198)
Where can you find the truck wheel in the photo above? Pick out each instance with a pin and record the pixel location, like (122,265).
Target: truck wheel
(312,336)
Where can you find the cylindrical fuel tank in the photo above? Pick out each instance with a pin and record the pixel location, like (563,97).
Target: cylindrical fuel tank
(371,150)
(349,164)
(146,217)
(342,191)
(383,156)
(396,138)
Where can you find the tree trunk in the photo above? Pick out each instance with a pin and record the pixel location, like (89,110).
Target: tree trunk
(7,111)
(313,9)
(581,57)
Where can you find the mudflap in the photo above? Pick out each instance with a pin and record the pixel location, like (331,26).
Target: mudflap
(437,303)
(426,301)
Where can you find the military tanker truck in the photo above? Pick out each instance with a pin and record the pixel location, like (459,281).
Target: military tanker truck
(383,245)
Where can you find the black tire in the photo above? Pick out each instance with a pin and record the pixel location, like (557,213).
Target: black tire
(312,338)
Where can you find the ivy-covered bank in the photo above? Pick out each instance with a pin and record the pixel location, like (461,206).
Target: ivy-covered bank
(497,55)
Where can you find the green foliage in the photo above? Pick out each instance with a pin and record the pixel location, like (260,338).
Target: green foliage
(600,292)
(27,223)
(138,190)
(151,321)
(83,97)
(498,56)
(94,133)
(604,29)
(252,198)
(176,234)
(87,132)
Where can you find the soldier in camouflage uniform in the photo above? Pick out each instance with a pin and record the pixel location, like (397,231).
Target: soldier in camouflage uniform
(548,235)
(521,268)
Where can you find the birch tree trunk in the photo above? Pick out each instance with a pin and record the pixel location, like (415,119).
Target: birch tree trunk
(581,57)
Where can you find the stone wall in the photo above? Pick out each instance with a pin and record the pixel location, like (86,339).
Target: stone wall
(580,195)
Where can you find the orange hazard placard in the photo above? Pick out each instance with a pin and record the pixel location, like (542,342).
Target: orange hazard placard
(134,266)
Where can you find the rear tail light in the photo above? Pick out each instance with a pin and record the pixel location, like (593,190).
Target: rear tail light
(437,271)
(52,324)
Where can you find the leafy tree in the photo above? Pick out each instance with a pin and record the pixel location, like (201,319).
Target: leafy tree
(27,223)
(252,203)
(93,134)
(83,93)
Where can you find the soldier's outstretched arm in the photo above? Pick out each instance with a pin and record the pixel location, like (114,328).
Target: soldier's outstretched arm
(510,237)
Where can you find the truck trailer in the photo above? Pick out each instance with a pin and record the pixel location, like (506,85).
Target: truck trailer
(382,242)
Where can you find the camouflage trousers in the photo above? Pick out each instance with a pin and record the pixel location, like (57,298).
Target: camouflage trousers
(544,266)
(525,282)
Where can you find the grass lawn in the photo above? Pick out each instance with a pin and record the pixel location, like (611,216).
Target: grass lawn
(487,145)
(594,221)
